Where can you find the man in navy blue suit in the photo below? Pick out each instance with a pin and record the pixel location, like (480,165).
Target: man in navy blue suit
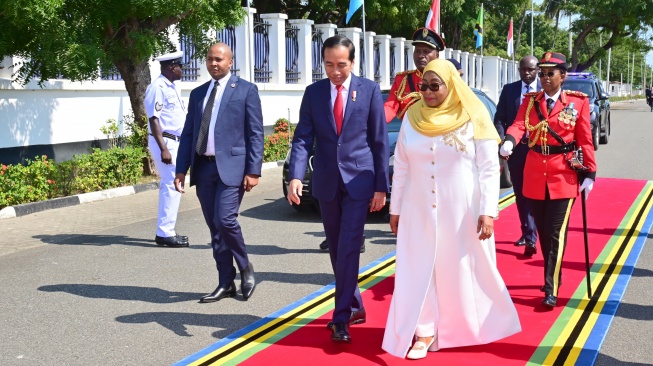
(222,144)
(509,103)
(344,116)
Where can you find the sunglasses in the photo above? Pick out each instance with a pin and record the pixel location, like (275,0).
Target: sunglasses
(434,87)
(543,74)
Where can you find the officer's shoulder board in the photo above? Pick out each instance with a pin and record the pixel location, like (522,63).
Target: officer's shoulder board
(531,94)
(405,72)
(576,93)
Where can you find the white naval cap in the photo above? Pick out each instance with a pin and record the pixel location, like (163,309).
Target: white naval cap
(175,57)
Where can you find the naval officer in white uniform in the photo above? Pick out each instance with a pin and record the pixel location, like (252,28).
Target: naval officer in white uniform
(167,113)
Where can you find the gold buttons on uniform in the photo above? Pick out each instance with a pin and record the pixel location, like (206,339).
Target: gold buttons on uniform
(544,161)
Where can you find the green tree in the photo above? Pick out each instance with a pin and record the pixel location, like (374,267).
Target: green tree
(618,20)
(75,39)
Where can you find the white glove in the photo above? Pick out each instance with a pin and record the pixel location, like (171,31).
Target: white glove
(588,184)
(506,149)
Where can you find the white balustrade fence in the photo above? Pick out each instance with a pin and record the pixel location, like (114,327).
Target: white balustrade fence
(282,55)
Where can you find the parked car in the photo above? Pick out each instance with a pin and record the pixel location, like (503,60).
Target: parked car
(589,84)
(308,203)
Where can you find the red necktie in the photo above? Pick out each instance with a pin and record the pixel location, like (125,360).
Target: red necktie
(337,109)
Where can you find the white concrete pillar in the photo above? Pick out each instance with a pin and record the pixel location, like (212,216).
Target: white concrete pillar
(479,72)
(411,62)
(464,63)
(491,77)
(328,30)
(305,61)
(471,80)
(384,65)
(354,35)
(399,54)
(6,67)
(369,55)
(446,53)
(455,54)
(244,47)
(277,39)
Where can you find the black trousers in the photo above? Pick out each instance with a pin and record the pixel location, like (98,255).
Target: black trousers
(552,221)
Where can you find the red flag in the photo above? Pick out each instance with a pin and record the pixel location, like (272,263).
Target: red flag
(433,19)
(510,45)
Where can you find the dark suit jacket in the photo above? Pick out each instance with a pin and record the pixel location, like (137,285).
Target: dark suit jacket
(359,155)
(238,132)
(509,102)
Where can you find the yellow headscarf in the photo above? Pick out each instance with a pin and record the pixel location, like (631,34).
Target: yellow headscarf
(458,108)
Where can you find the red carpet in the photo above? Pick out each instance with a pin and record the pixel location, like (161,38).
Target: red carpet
(607,205)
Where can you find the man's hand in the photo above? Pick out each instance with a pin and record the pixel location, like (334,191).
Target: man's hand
(250,181)
(295,191)
(378,201)
(485,227)
(180,180)
(166,157)
(506,149)
(394,223)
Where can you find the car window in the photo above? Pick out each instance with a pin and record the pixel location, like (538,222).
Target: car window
(581,86)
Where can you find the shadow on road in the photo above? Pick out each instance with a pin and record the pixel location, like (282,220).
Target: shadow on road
(635,312)
(99,240)
(178,322)
(280,210)
(604,360)
(129,293)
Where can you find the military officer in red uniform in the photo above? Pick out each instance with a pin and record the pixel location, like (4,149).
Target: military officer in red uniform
(557,122)
(405,90)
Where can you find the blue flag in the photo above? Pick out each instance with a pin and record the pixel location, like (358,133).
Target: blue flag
(478,29)
(353,6)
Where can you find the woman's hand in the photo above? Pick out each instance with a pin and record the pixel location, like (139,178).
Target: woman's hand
(394,223)
(485,227)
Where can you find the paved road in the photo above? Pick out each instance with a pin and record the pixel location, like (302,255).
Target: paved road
(86,285)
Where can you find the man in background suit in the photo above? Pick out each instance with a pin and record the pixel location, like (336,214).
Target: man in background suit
(222,144)
(344,115)
(511,98)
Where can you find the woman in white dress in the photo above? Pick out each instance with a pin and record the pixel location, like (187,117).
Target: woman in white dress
(448,291)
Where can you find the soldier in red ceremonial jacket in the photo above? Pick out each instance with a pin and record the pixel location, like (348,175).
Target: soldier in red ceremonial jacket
(557,123)
(405,91)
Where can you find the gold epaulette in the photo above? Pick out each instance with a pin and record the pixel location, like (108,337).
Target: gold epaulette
(405,72)
(531,94)
(576,93)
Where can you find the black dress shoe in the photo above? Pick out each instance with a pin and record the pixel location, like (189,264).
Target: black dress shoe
(220,293)
(340,333)
(247,281)
(182,238)
(521,242)
(530,249)
(356,317)
(550,301)
(171,241)
(325,245)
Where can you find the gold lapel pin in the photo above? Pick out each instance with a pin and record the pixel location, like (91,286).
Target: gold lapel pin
(233,85)
(353,95)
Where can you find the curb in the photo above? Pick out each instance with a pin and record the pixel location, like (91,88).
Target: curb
(34,207)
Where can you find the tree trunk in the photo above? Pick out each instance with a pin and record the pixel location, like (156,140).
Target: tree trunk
(136,76)
(555,32)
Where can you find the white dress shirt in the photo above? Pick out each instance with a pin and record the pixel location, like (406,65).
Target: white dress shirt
(210,141)
(531,88)
(344,92)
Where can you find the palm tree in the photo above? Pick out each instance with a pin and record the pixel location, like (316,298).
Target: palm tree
(552,9)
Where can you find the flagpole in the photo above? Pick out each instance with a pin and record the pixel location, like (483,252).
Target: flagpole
(512,40)
(482,31)
(365,44)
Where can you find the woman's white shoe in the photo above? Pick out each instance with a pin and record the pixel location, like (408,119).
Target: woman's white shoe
(419,349)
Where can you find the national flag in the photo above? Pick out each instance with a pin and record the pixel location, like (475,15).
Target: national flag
(353,6)
(511,50)
(478,29)
(433,19)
